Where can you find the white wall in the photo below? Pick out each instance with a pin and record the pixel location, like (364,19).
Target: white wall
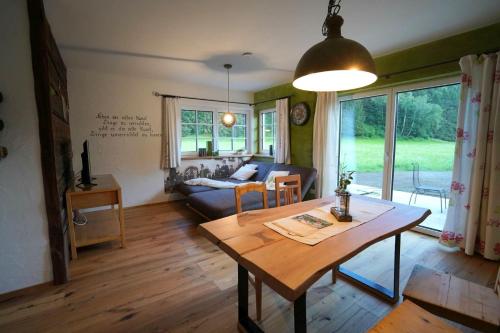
(134,161)
(24,244)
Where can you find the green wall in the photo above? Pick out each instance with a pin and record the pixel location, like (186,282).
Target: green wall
(441,52)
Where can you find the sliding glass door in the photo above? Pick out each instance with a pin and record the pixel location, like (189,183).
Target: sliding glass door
(401,144)
(425,134)
(362,133)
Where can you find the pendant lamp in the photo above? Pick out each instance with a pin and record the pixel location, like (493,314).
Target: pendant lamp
(228,118)
(337,63)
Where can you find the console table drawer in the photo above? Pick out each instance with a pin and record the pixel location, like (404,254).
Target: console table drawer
(94,199)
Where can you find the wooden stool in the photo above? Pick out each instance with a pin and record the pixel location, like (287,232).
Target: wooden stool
(238,193)
(410,318)
(455,299)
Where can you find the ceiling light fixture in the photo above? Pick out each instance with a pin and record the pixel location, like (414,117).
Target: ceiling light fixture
(228,118)
(337,63)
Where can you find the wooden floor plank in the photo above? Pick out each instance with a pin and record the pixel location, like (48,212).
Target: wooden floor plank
(171,279)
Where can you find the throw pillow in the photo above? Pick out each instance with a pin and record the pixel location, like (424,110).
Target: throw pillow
(251,166)
(243,173)
(270,183)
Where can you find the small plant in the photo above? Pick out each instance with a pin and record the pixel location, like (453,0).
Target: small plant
(345,178)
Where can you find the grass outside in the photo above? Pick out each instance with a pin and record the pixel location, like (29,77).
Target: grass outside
(367,154)
(188,144)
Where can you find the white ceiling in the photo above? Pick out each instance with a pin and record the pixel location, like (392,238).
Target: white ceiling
(190,40)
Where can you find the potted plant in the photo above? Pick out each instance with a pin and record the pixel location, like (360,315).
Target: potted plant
(341,210)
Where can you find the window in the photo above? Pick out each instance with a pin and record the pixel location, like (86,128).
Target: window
(234,138)
(197,129)
(200,126)
(401,143)
(267,130)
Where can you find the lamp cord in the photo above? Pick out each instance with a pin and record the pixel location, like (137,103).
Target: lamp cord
(333,9)
(228,90)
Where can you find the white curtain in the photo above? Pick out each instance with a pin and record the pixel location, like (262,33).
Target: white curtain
(325,142)
(282,140)
(170,133)
(473,218)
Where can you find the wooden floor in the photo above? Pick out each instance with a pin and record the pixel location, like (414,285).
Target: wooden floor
(170,279)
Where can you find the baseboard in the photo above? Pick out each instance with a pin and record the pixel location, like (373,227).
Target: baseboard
(10,295)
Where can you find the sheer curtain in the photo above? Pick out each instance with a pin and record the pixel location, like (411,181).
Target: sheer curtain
(170,133)
(473,218)
(326,142)
(282,140)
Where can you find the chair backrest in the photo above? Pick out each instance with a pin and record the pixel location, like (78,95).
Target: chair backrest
(416,175)
(240,190)
(288,185)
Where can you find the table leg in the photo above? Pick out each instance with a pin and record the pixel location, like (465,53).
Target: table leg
(371,286)
(334,274)
(299,314)
(122,218)
(244,322)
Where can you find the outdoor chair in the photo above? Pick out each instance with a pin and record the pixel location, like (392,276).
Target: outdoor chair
(425,189)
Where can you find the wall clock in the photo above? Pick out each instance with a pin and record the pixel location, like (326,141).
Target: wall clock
(299,114)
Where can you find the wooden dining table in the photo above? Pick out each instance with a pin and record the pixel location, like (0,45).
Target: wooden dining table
(290,267)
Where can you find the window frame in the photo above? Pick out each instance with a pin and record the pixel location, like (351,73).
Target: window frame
(215,108)
(262,150)
(232,131)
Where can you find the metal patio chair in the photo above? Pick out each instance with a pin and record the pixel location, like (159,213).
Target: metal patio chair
(425,189)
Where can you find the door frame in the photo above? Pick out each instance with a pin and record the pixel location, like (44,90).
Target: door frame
(390,129)
(42,44)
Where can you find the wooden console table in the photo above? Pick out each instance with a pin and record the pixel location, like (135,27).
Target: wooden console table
(102,226)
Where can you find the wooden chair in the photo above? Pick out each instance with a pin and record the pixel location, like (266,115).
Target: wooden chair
(239,191)
(288,185)
(455,299)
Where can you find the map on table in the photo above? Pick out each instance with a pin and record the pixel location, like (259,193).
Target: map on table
(312,221)
(303,225)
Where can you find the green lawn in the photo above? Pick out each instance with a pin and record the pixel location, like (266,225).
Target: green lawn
(432,155)
(188,144)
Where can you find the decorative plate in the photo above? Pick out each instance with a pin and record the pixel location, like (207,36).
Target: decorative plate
(299,114)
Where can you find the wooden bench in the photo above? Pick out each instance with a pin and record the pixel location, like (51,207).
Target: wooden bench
(410,318)
(455,299)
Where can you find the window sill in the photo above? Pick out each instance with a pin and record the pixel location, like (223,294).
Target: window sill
(263,155)
(195,157)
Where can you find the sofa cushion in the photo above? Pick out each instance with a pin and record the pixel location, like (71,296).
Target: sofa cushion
(222,203)
(307,175)
(191,189)
(263,169)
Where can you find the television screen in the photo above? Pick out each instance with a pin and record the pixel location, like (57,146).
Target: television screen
(86,170)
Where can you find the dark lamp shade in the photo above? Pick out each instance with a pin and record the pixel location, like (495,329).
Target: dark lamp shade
(228,119)
(335,64)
